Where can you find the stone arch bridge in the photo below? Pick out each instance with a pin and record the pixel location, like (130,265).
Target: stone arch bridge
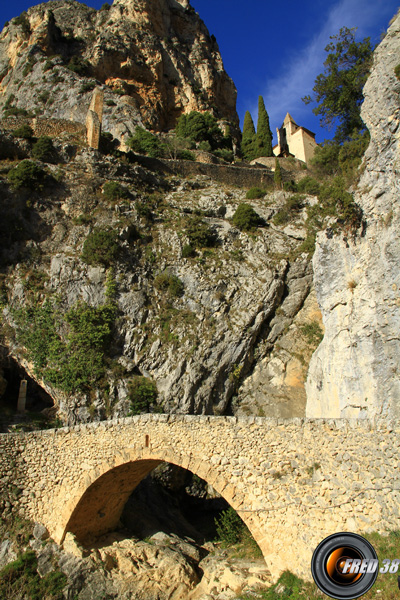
(292,481)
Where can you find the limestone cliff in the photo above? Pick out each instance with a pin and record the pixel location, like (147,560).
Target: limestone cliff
(354,372)
(154,60)
(219,330)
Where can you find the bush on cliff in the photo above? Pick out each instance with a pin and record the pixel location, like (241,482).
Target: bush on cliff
(24,131)
(113,191)
(142,393)
(200,234)
(43,149)
(144,142)
(169,283)
(245,218)
(27,174)
(100,247)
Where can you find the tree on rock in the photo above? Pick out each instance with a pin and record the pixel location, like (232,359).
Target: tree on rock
(248,138)
(264,133)
(338,91)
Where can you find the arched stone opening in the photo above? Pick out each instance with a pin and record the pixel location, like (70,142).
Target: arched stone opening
(11,376)
(100,505)
(174,501)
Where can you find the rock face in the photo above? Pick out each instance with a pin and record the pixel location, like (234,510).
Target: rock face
(154,60)
(354,371)
(208,346)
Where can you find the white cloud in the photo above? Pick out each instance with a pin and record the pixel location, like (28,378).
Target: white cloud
(283,94)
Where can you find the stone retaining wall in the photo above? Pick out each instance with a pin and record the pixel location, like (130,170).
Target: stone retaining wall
(229,174)
(292,481)
(50,127)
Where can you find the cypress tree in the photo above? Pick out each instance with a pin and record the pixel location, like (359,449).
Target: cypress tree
(277,174)
(264,133)
(248,138)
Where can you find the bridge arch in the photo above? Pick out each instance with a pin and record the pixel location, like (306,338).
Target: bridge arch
(98,500)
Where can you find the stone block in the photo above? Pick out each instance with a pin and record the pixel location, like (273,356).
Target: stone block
(93,129)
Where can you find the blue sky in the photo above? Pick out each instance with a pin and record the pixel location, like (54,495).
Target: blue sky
(275,49)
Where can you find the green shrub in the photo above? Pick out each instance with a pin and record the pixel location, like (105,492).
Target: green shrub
(23,22)
(245,218)
(86,87)
(43,149)
(308,245)
(186,155)
(295,202)
(142,393)
(230,527)
(26,174)
(254,193)
(13,111)
(25,132)
(326,159)
(30,63)
(144,211)
(277,174)
(100,247)
(202,127)
(350,156)
(312,332)
(188,251)
(169,283)
(205,146)
(75,363)
(78,65)
(48,65)
(112,190)
(290,186)
(397,71)
(145,142)
(200,234)
(289,587)
(83,219)
(20,579)
(224,153)
(292,205)
(44,96)
(281,217)
(308,185)
(9,101)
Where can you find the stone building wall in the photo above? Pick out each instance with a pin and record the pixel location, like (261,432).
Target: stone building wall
(292,481)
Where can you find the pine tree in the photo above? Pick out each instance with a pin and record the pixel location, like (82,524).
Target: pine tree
(248,138)
(277,175)
(264,133)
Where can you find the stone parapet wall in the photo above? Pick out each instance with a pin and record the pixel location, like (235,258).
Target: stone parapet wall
(292,481)
(228,174)
(49,127)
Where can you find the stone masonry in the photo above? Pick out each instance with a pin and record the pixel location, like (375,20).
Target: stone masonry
(94,119)
(292,481)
